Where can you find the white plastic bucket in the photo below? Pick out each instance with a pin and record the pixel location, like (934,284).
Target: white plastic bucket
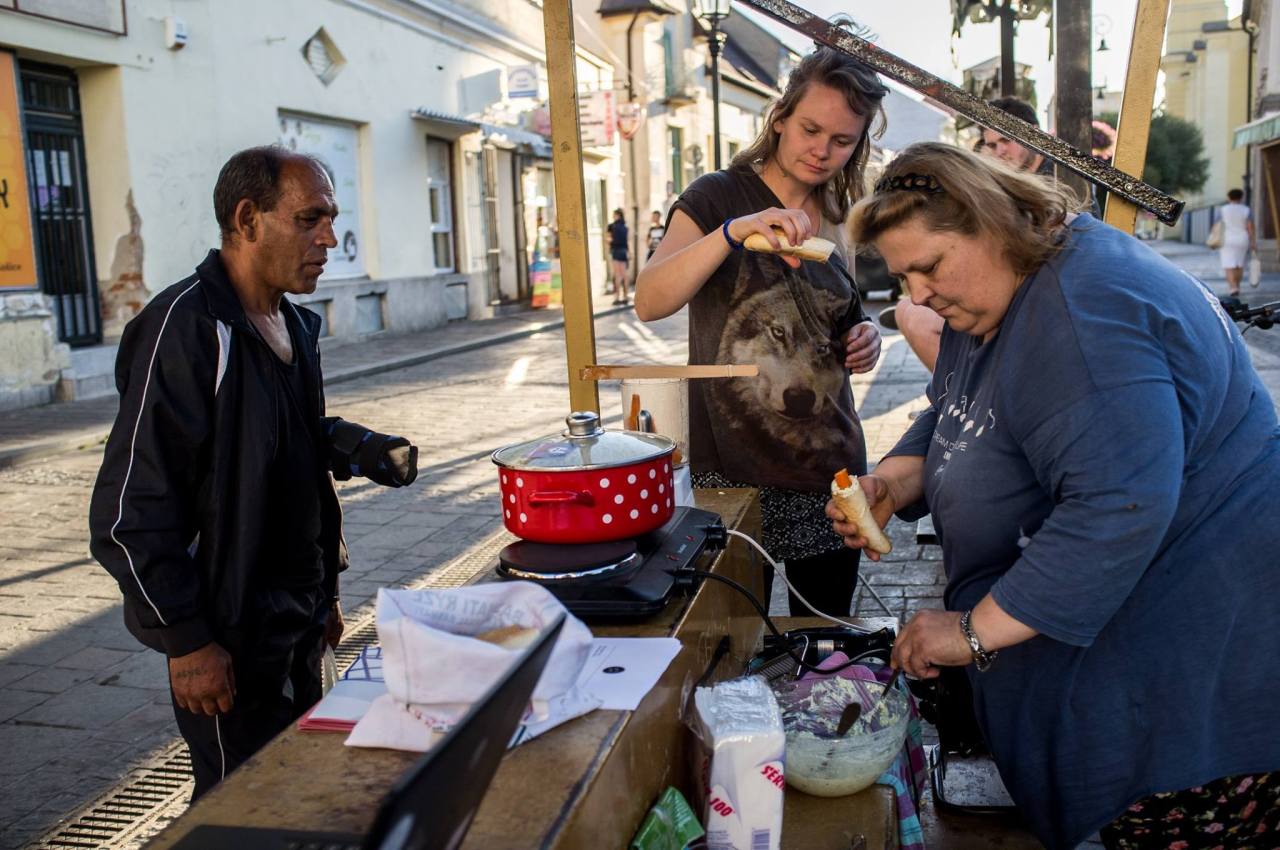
(667,401)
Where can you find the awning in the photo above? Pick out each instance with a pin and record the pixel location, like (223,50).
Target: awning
(452,126)
(610,8)
(1258,131)
(514,137)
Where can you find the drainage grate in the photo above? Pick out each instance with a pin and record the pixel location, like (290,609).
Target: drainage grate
(156,793)
(133,810)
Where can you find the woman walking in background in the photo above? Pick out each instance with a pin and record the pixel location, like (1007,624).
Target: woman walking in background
(1238,239)
(618,254)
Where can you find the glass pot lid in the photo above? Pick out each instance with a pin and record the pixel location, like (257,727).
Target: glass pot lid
(584,445)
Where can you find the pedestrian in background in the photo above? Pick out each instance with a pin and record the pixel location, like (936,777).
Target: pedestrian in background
(656,230)
(1100,459)
(1000,146)
(1238,239)
(920,326)
(619,255)
(215,508)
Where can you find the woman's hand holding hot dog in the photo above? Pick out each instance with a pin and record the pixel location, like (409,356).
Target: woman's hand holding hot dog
(897,482)
(795,224)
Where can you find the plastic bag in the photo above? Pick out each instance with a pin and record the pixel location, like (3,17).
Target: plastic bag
(670,825)
(1255,270)
(740,727)
(435,667)
(1215,236)
(328,670)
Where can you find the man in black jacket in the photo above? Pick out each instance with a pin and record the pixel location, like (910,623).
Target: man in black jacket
(215,507)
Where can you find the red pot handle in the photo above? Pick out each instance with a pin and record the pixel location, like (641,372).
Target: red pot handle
(554,497)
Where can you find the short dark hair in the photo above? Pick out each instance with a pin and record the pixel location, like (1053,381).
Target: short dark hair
(1235,195)
(1017,107)
(254,174)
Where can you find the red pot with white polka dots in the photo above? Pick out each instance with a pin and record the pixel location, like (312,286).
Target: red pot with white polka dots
(586,484)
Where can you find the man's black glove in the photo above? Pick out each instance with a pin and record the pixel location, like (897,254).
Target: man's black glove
(382,458)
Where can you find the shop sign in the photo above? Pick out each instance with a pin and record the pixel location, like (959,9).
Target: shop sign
(522,81)
(597,119)
(630,117)
(539,121)
(17,246)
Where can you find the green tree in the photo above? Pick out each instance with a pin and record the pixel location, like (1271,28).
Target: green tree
(1175,162)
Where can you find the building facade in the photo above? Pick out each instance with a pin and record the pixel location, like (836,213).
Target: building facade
(1206,82)
(430,117)
(1258,138)
(662,68)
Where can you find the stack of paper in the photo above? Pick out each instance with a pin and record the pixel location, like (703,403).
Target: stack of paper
(350,697)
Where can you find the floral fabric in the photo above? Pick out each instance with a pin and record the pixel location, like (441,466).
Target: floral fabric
(1232,813)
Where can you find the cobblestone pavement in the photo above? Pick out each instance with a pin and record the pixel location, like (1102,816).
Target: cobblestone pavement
(81,702)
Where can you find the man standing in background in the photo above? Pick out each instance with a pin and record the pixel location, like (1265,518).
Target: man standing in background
(918,324)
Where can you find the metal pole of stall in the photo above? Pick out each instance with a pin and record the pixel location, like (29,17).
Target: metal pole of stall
(1008,68)
(714,43)
(1136,104)
(566,161)
(1073,73)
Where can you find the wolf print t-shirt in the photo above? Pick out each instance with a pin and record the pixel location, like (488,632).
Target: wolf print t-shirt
(794,424)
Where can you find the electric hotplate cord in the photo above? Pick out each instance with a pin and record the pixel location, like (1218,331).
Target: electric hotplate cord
(780,569)
(764,615)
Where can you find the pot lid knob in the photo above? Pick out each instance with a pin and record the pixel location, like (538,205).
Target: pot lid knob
(583,423)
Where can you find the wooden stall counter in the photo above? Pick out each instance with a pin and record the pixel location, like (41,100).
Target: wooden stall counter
(586,784)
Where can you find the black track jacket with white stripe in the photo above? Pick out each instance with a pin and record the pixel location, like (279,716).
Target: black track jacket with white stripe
(178,513)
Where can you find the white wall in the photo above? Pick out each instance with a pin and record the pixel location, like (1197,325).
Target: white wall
(160,122)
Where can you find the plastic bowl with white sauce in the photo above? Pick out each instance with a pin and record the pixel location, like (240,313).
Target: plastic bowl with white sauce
(821,763)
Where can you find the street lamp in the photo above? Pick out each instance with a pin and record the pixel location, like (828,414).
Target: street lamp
(711,13)
(1102,27)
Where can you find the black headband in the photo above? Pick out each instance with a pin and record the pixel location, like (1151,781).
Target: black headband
(909,182)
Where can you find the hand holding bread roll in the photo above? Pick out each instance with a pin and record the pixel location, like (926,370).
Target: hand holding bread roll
(852,502)
(812,248)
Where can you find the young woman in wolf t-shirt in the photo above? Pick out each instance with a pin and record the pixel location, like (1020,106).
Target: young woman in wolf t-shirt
(789,429)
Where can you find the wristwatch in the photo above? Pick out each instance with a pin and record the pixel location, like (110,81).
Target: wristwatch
(981,658)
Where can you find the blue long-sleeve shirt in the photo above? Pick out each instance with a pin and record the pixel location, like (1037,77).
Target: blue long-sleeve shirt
(1107,466)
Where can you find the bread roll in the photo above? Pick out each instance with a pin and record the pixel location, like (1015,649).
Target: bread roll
(852,502)
(509,637)
(812,248)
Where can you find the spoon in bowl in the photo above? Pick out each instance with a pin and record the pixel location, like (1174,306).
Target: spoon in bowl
(848,717)
(875,708)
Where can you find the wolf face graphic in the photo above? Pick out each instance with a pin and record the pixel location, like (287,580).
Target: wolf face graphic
(789,409)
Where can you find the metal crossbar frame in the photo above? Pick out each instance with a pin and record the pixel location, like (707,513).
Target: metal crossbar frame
(1132,189)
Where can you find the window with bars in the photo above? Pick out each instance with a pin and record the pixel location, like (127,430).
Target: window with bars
(440,203)
(59,190)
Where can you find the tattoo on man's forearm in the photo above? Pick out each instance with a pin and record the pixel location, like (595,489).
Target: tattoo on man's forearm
(189,674)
